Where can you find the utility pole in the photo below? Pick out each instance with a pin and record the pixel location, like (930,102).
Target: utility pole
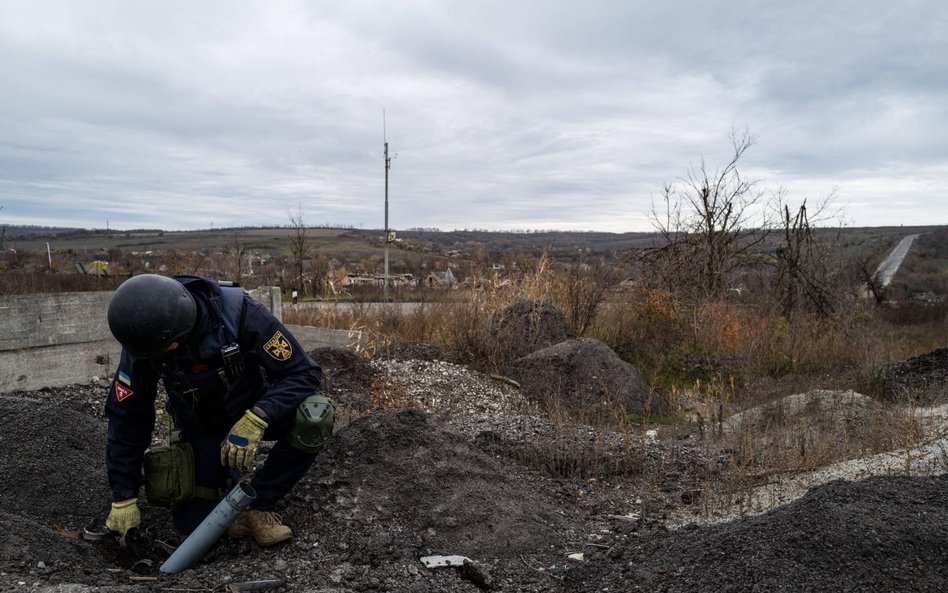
(385,237)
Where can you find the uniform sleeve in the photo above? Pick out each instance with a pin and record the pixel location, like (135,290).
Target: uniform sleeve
(130,409)
(291,373)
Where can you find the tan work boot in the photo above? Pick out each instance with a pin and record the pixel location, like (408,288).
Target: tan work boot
(266,527)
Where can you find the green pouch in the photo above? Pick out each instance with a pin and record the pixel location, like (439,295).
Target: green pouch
(313,425)
(169,475)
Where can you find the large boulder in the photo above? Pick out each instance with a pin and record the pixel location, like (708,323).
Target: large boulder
(586,379)
(523,327)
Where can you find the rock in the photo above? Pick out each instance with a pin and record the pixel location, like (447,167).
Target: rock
(477,575)
(584,376)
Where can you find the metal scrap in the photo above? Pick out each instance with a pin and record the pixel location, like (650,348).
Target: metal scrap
(444,561)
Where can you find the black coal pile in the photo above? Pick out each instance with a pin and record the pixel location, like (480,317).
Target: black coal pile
(410,351)
(53,462)
(923,378)
(396,485)
(419,489)
(882,534)
(391,487)
(347,377)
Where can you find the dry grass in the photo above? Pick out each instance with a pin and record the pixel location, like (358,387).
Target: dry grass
(391,395)
(709,359)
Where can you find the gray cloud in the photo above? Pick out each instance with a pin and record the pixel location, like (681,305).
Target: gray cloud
(503,115)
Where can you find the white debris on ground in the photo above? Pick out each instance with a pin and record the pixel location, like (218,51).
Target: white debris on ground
(480,406)
(442,387)
(930,459)
(827,403)
(927,458)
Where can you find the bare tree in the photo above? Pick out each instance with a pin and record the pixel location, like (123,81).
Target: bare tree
(706,225)
(298,245)
(803,263)
(865,271)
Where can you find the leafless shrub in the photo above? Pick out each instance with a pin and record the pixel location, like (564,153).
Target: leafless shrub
(708,227)
(806,277)
(580,290)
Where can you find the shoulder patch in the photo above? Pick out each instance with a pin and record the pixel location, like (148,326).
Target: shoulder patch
(122,392)
(279,347)
(124,379)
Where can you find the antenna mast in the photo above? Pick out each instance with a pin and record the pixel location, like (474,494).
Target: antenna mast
(387,235)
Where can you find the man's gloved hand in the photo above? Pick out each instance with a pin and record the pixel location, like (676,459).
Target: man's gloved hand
(124,516)
(240,446)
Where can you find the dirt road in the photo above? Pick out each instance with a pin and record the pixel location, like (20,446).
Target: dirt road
(890,265)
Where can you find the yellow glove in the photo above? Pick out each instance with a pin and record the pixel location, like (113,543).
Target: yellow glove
(240,446)
(124,516)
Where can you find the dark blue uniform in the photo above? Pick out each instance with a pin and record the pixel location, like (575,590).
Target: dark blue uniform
(272,372)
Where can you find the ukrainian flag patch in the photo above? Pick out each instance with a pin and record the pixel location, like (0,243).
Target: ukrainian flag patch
(125,379)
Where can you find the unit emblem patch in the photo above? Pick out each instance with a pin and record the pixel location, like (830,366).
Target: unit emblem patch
(279,347)
(122,392)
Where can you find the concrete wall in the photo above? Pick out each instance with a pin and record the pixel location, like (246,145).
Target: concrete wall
(51,340)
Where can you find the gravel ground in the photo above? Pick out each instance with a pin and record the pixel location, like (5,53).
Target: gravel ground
(467,467)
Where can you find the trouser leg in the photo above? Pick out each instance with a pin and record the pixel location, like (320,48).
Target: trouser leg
(280,472)
(208,473)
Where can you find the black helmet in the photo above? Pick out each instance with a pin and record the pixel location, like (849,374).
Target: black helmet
(149,312)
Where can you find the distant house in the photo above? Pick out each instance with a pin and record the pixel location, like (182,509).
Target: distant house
(444,279)
(378,280)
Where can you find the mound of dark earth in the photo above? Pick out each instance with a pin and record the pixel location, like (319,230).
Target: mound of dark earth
(391,487)
(923,378)
(396,485)
(882,534)
(585,377)
(347,377)
(410,351)
(415,489)
(518,330)
(52,462)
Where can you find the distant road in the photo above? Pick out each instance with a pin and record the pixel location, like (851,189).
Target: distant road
(350,306)
(890,265)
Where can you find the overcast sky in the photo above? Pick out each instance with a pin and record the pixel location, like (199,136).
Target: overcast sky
(553,114)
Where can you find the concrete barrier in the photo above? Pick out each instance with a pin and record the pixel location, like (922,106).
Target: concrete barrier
(51,340)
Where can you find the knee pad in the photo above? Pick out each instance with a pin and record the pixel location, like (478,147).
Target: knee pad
(313,426)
